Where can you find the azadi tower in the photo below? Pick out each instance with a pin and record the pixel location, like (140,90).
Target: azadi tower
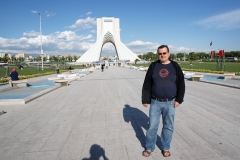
(107,31)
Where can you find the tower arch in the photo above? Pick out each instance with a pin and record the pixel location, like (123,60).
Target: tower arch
(107,31)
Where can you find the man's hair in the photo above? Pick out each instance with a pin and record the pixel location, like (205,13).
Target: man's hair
(163,46)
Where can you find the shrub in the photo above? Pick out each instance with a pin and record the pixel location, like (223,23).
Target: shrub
(3,80)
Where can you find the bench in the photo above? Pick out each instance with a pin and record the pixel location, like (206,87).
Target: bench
(229,75)
(196,77)
(62,82)
(18,83)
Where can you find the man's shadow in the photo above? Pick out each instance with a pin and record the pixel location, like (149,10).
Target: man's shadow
(96,151)
(138,121)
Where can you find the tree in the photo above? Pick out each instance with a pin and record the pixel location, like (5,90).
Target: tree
(54,58)
(69,58)
(13,58)
(75,58)
(192,56)
(180,56)
(140,56)
(150,56)
(136,60)
(172,56)
(63,58)
(38,58)
(4,59)
(44,58)
(20,59)
(202,55)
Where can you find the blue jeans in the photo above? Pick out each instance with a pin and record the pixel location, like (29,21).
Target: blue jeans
(167,110)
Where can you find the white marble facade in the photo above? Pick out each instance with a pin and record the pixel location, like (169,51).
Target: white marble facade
(108,30)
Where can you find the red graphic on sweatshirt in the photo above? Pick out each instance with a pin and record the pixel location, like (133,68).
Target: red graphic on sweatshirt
(163,73)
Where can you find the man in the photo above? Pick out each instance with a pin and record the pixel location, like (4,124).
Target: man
(102,67)
(14,75)
(163,89)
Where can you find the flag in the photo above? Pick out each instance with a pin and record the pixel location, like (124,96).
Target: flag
(213,54)
(221,53)
(211,43)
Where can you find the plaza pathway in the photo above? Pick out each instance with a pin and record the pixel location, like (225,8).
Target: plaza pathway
(101,116)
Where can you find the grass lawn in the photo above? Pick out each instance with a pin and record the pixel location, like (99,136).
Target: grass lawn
(229,66)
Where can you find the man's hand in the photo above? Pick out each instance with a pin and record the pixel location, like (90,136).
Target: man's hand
(145,105)
(176,104)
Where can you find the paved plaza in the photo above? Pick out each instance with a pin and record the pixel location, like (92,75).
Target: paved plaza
(100,117)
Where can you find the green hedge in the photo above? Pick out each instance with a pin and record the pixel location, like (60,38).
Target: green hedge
(208,71)
(2,80)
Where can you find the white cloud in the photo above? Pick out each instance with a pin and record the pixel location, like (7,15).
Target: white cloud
(70,36)
(139,43)
(225,21)
(34,11)
(140,47)
(30,34)
(88,13)
(175,49)
(84,23)
(69,42)
(93,31)
(58,42)
(48,14)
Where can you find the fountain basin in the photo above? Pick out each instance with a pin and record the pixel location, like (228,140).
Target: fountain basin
(23,95)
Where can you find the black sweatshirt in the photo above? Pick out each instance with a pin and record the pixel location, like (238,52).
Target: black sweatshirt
(147,85)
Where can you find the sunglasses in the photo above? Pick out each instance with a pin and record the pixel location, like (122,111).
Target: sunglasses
(164,53)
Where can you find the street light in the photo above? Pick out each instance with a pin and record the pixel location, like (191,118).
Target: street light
(41,37)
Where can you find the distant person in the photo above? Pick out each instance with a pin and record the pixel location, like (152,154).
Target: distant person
(57,69)
(70,68)
(191,65)
(14,75)
(21,67)
(102,67)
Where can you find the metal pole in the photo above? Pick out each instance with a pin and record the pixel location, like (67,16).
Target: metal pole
(184,56)
(41,38)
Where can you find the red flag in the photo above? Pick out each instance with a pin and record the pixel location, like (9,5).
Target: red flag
(211,43)
(213,54)
(221,53)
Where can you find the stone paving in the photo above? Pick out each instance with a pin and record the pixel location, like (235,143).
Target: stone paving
(101,117)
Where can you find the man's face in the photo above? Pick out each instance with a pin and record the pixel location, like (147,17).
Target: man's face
(163,55)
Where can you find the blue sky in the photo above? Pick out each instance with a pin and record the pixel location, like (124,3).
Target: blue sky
(69,26)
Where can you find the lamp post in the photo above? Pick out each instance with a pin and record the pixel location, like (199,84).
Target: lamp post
(70,60)
(184,55)
(41,38)
(58,65)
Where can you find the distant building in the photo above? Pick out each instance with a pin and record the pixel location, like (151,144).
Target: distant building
(30,57)
(5,54)
(23,55)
